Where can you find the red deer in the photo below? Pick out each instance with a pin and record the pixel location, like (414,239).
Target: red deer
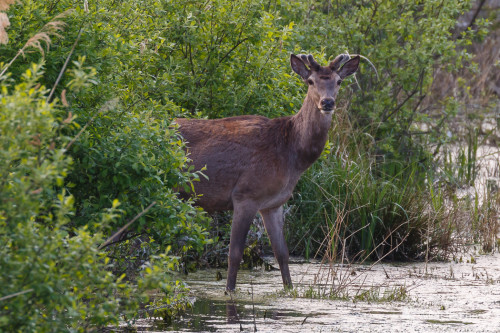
(253,163)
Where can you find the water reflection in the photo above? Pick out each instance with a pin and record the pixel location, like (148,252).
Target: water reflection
(231,312)
(208,315)
(259,303)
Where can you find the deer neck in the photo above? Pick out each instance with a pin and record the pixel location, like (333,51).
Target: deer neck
(311,132)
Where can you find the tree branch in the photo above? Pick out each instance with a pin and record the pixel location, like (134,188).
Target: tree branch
(16,294)
(109,240)
(64,66)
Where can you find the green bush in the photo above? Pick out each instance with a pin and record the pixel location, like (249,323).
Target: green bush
(128,150)
(227,58)
(57,271)
(76,168)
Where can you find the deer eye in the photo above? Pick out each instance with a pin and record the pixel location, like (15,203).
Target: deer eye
(339,82)
(310,82)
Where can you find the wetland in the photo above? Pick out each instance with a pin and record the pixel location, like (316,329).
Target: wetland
(461,295)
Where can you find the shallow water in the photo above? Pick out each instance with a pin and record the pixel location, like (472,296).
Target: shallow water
(441,297)
(462,296)
(488,172)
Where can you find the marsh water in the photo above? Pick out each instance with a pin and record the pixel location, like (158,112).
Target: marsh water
(458,296)
(462,295)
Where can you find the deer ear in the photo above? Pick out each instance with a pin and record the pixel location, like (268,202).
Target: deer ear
(349,68)
(299,67)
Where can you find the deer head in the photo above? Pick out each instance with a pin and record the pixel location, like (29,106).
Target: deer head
(324,81)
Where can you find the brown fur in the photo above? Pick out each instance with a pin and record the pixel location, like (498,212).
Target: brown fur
(253,163)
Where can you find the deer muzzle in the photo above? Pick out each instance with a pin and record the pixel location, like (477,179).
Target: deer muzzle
(327,105)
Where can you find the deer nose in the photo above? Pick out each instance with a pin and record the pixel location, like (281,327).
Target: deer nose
(327,104)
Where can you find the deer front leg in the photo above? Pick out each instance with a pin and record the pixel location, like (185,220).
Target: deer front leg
(273,221)
(243,216)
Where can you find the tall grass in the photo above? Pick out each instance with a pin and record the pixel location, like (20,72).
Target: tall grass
(460,165)
(353,204)
(471,177)
(362,203)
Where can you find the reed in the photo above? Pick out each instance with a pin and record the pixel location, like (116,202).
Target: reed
(42,40)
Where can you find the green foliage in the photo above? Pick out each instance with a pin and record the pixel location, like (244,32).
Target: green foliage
(406,42)
(65,172)
(70,176)
(227,58)
(374,187)
(63,283)
(54,276)
(360,207)
(129,150)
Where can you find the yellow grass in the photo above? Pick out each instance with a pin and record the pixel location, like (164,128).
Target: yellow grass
(4,23)
(49,30)
(4,4)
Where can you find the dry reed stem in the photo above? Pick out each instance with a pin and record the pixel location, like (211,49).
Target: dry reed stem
(345,280)
(327,267)
(16,294)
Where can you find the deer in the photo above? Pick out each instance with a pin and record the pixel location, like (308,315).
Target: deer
(253,163)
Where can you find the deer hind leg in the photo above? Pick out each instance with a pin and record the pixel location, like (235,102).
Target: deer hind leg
(243,216)
(274,221)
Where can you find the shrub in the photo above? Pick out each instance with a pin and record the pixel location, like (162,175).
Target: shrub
(52,276)
(72,175)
